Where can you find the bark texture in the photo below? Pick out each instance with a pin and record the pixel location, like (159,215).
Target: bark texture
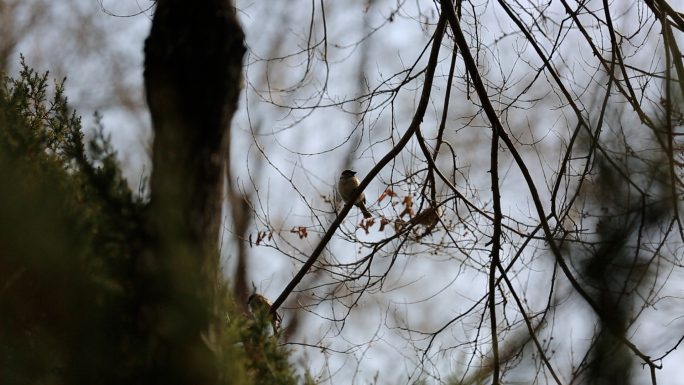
(193,65)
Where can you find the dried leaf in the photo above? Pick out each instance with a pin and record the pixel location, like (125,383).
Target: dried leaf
(408,202)
(383,222)
(300,231)
(407,211)
(387,193)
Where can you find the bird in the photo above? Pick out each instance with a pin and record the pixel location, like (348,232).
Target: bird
(428,217)
(347,185)
(261,306)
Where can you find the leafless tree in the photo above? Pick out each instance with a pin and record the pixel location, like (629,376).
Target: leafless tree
(547,134)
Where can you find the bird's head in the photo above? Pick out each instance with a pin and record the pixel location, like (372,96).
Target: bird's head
(348,173)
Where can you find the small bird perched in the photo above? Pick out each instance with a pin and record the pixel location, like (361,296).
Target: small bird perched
(260,306)
(428,217)
(347,185)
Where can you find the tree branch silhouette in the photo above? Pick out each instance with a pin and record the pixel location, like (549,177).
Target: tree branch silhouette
(415,124)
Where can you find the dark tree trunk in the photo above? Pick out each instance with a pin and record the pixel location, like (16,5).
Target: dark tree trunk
(193,65)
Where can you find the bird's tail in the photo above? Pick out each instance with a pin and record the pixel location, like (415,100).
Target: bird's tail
(364,210)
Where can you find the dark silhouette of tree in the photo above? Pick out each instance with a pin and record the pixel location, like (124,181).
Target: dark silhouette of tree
(193,66)
(101,285)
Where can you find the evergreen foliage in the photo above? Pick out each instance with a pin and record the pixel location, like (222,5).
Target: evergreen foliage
(71,233)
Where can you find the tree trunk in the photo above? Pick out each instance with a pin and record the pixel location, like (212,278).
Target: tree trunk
(193,66)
